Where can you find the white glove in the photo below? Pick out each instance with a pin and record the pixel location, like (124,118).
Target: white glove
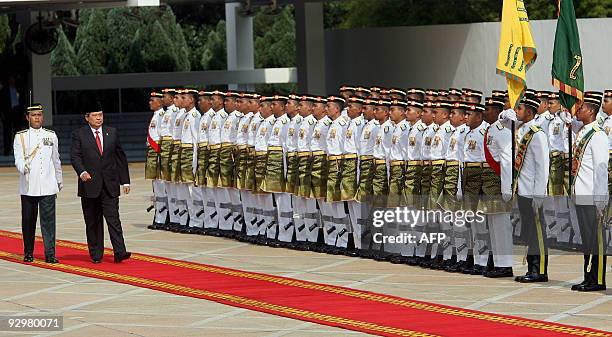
(459,195)
(60,186)
(506,118)
(26,168)
(565,116)
(538,202)
(506,197)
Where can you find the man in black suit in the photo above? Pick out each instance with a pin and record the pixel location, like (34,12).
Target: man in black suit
(101,164)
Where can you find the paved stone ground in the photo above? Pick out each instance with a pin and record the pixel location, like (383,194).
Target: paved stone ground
(101,308)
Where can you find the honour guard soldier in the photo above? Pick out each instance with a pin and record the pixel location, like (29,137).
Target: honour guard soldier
(362,92)
(454,95)
(350,169)
(153,165)
(399,139)
(380,180)
(337,228)
(241,161)
(471,95)
(293,173)
(37,160)
(227,193)
(496,182)
(318,175)
(413,167)
(564,229)
(365,192)
(439,148)
(543,119)
(254,211)
(430,95)
(213,174)
(165,132)
(187,192)
(180,212)
(607,127)
(265,202)
(170,96)
(589,187)
(531,166)
(452,184)
(275,181)
(305,207)
(476,255)
(397,94)
(203,154)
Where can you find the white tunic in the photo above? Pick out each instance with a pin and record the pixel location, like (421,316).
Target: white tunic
(399,140)
(263,133)
(499,143)
(37,160)
(305,133)
(367,139)
(591,184)
(335,137)
(414,145)
(473,145)
(441,140)
(533,177)
(319,135)
(353,133)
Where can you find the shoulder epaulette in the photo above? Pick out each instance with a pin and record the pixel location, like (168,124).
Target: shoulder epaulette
(499,126)
(386,128)
(550,117)
(535,128)
(22,131)
(161,113)
(342,122)
(358,121)
(284,120)
(483,131)
(195,113)
(597,128)
(462,130)
(327,122)
(448,128)
(272,121)
(376,122)
(224,114)
(311,121)
(435,127)
(403,127)
(299,119)
(421,127)
(49,130)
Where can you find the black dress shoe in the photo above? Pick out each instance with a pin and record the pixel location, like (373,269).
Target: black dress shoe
(51,260)
(119,258)
(531,278)
(498,272)
(576,286)
(398,259)
(456,268)
(591,287)
(96,261)
(477,270)
(28,258)
(413,261)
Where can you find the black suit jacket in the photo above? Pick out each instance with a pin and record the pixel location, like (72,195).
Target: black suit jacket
(109,170)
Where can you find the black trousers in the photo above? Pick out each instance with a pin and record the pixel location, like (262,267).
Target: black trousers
(29,214)
(593,244)
(533,231)
(94,210)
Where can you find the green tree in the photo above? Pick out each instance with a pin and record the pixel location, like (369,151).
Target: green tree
(145,53)
(215,50)
(122,26)
(275,47)
(91,44)
(63,57)
(5,33)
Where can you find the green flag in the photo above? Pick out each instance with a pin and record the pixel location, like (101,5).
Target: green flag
(567,58)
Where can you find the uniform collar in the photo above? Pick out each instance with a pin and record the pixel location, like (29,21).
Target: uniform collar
(159,111)
(31,129)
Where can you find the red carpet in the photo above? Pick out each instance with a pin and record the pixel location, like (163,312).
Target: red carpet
(319,303)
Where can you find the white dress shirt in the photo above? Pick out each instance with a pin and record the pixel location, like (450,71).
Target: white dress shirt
(533,177)
(336,136)
(367,139)
(591,181)
(305,133)
(414,145)
(499,143)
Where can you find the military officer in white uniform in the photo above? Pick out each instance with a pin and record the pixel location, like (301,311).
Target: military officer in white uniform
(37,160)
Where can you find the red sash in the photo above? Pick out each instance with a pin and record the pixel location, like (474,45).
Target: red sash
(489,157)
(153,144)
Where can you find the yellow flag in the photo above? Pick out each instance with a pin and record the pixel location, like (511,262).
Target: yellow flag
(517,51)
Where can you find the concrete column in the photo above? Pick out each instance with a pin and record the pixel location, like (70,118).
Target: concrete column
(40,72)
(310,40)
(240,44)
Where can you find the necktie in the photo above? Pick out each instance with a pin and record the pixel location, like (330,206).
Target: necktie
(99,142)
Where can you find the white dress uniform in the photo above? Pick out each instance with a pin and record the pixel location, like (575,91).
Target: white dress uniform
(200,201)
(499,143)
(160,197)
(473,152)
(265,201)
(335,231)
(229,197)
(254,210)
(180,197)
(162,202)
(319,143)
(382,150)
(367,141)
(305,208)
(454,152)
(291,146)
(351,147)
(40,179)
(281,230)
(173,112)
(242,140)
(544,120)
(187,191)
(214,138)
(397,156)
(429,132)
